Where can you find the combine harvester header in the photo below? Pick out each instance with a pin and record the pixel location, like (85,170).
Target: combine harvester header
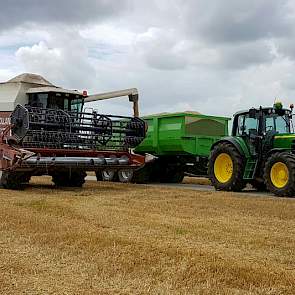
(46,131)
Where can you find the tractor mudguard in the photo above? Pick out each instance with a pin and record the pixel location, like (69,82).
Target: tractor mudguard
(276,150)
(238,143)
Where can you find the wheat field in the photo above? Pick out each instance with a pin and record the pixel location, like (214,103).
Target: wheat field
(111,238)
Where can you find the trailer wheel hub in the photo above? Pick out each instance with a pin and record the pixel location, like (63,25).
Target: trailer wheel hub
(279,174)
(223,168)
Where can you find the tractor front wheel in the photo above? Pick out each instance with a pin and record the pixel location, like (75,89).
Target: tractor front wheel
(226,168)
(279,174)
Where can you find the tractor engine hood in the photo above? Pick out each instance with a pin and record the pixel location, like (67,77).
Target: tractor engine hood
(284,141)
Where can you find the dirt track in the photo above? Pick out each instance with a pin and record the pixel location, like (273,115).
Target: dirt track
(193,184)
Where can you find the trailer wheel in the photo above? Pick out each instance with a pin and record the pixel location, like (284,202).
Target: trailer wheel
(226,168)
(125,175)
(142,175)
(98,175)
(109,175)
(279,174)
(69,179)
(11,180)
(77,178)
(173,176)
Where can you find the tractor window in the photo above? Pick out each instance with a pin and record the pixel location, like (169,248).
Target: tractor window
(247,125)
(269,124)
(281,125)
(277,123)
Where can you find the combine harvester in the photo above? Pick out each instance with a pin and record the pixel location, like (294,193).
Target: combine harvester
(46,132)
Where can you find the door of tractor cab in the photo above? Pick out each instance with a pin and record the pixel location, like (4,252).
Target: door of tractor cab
(248,128)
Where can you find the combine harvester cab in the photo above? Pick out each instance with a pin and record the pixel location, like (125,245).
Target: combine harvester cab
(46,132)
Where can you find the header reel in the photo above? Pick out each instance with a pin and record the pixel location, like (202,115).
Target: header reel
(34,127)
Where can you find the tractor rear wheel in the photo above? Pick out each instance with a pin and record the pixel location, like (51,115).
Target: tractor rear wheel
(279,174)
(226,168)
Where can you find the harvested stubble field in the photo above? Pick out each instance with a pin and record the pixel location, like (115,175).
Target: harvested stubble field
(131,239)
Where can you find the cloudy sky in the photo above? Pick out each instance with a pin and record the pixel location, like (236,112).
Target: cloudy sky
(213,56)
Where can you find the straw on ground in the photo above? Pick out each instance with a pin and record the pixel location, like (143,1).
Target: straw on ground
(110,238)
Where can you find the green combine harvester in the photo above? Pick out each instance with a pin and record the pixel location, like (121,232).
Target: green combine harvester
(260,151)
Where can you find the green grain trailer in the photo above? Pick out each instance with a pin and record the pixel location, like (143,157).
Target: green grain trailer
(181,142)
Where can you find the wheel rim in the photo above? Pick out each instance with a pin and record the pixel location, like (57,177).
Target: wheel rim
(108,174)
(223,168)
(279,174)
(126,174)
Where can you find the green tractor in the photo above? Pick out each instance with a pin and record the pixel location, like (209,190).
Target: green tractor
(261,151)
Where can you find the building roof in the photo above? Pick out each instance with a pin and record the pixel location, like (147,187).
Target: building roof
(53,89)
(30,78)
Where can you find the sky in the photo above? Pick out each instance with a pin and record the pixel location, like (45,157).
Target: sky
(215,57)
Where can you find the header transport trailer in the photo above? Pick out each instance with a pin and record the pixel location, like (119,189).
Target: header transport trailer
(181,143)
(45,131)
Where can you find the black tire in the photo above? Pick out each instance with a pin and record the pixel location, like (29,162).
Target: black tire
(109,175)
(69,178)
(125,175)
(289,160)
(12,180)
(142,175)
(173,176)
(236,182)
(98,175)
(259,185)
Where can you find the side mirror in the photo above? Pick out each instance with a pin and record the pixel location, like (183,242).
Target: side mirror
(252,113)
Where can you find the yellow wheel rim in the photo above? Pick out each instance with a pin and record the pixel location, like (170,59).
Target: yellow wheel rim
(279,175)
(223,168)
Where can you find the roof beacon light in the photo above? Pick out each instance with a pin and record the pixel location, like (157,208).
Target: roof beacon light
(85,93)
(278,105)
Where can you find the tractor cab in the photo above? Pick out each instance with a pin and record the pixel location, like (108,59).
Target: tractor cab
(262,121)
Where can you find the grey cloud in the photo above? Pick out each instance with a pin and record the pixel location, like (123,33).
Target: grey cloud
(64,60)
(244,55)
(215,56)
(237,20)
(15,13)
